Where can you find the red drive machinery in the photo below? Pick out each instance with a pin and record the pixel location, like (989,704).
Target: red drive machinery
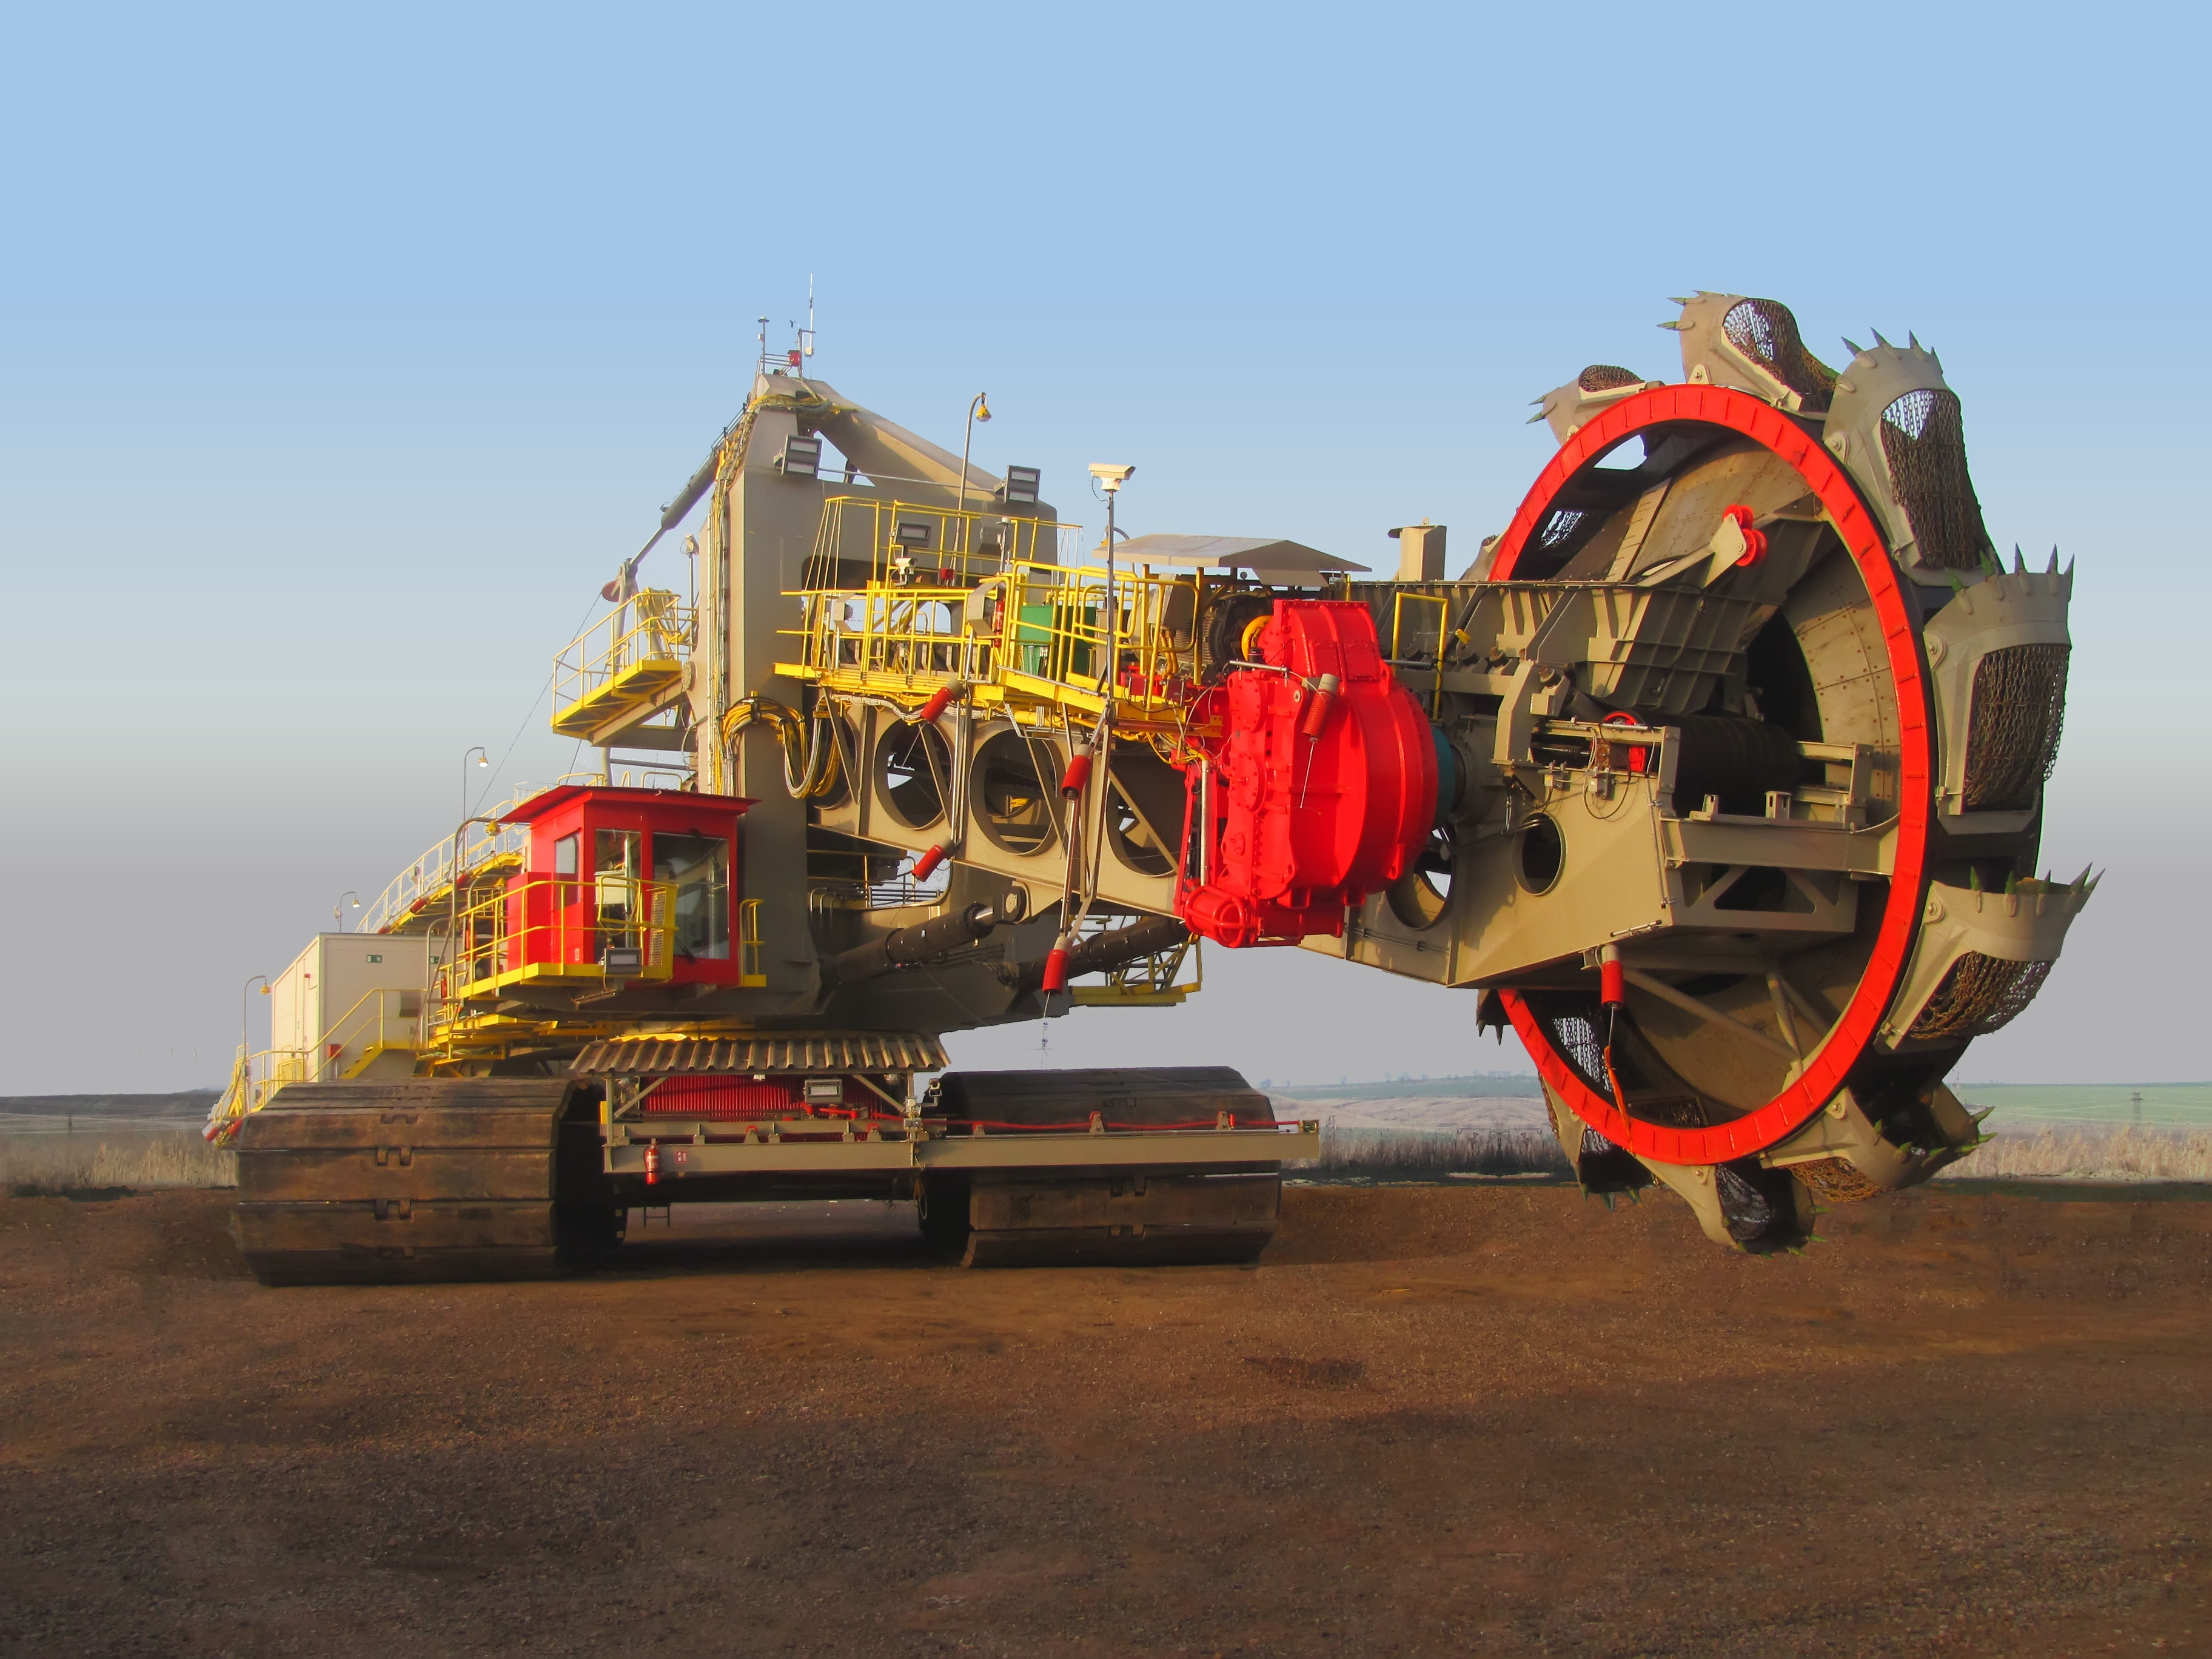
(1320,789)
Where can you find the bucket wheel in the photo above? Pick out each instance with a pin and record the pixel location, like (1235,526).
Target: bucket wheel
(1708,1069)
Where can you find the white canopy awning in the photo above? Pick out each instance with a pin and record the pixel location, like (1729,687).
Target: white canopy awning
(1264,555)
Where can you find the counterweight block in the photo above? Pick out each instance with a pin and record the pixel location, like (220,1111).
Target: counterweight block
(1035,1218)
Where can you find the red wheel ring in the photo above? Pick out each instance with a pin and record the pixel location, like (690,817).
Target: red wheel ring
(1830,1063)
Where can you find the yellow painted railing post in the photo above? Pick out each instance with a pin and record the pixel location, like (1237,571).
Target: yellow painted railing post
(749,944)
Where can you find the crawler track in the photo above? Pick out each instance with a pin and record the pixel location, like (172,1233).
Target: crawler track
(420,1180)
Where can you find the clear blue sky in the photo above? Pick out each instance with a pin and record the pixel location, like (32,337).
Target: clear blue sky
(344,353)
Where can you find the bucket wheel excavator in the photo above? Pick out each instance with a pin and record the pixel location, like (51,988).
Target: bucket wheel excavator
(1716,777)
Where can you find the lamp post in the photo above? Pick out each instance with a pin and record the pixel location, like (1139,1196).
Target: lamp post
(483,759)
(454,911)
(337,910)
(979,409)
(1110,477)
(244,1003)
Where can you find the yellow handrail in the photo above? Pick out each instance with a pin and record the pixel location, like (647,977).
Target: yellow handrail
(421,886)
(632,655)
(253,1078)
(1039,633)
(394,1023)
(896,543)
(1435,645)
(750,971)
(557,927)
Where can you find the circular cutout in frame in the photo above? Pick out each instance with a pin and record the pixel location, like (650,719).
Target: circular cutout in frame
(911,769)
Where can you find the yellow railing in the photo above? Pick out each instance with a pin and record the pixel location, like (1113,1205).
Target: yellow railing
(1422,640)
(381,1022)
(409,895)
(1038,633)
(1152,982)
(897,544)
(559,927)
(750,971)
(254,1079)
(629,660)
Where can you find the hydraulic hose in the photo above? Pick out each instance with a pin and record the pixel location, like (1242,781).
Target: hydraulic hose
(809,761)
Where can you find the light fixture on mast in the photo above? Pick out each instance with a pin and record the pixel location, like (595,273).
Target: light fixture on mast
(1110,477)
(979,409)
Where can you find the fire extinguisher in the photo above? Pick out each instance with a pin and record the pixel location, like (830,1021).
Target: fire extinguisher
(652,1164)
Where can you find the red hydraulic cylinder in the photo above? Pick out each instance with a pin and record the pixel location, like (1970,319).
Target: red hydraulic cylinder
(1055,966)
(939,700)
(1324,699)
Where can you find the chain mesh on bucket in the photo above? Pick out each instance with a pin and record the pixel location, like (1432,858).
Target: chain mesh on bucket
(1576,1033)
(1747,1210)
(1925,440)
(1607,377)
(1765,331)
(2012,738)
(1835,1179)
(1576,1036)
(1979,995)
(1560,537)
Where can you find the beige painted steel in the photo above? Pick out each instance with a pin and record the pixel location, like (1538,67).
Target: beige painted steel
(760,530)
(894,1151)
(324,1005)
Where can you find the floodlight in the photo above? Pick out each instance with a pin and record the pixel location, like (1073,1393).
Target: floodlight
(801,457)
(1022,483)
(912,533)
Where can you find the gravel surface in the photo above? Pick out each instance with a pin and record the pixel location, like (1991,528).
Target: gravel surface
(1487,1419)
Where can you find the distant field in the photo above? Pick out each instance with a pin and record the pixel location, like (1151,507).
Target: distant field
(139,1154)
(186,1104)
(1490,1124)
(1476,1085)
(2160,1105)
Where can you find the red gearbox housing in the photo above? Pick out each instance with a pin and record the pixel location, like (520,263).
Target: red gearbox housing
(1320,789)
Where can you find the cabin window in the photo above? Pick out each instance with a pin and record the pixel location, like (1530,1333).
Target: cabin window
(564,855)
(699,868)
(615,871)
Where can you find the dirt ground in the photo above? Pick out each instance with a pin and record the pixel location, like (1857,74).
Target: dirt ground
(1492,1420)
